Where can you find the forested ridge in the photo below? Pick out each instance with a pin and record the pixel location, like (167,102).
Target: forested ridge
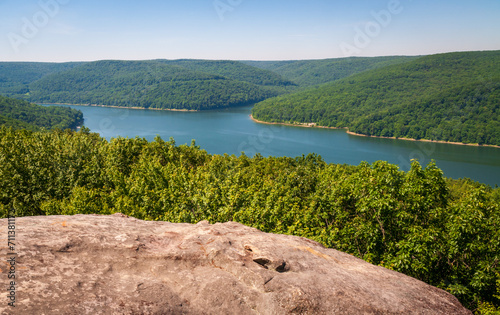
(449,97)
(148,84)
(232,70)
(15,77)
(20,114)
(306,73)
(166,84)
(442,231)
(173,84)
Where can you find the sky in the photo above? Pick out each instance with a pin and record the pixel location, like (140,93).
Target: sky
(87,30)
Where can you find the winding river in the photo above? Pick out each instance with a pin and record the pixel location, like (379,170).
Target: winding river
(232,131)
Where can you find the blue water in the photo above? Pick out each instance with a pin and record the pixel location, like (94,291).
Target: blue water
(232,131)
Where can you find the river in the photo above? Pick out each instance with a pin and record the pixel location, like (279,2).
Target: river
(232,131)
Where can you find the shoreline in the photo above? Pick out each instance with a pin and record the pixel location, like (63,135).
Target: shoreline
(303,125)
(123,107)
(313,125)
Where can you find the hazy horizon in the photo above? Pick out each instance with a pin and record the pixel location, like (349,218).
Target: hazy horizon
(245,60)
(67,30)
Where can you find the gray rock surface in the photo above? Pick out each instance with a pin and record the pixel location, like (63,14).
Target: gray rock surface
(90,264)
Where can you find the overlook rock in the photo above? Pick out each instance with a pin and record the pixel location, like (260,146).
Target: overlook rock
(91,264)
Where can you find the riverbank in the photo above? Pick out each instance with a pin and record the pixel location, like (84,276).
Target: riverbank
(122,107)
(314,125)
(304,125)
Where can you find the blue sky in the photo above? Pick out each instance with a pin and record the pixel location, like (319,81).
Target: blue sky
(85,30)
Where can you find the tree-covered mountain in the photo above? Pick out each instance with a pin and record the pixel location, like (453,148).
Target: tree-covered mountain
(20,114)
(173,84)
(443,232)
(449,97)
(233,70)
(15,77)
(147,84)
(307,73)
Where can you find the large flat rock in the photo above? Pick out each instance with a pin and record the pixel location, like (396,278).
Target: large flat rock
(90,264)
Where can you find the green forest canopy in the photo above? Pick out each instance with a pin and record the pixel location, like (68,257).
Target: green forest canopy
(444,232)
(232,70)
(306,73)
(170,84)
(147,84)
(15,77)
(173,84)
(20,114)
(450,97)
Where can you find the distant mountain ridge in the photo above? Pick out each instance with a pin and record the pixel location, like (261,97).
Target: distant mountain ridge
(232,70)
(173,84)
(15,77)
(147,84)
(306,73)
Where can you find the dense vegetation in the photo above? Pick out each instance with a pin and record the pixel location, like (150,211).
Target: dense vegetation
(449,97)
(148,84)
(232,70)
(444,232)
(307,73)
(15,77)
(173,84)
(20,114)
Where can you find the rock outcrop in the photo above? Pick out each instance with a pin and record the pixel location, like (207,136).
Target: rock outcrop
(90,264)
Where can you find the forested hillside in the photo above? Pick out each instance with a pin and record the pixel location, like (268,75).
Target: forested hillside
(148,84)
(444,232)
(15,77)
(173,84)
(450,97)
(307,73)
(232,70)
(20,114)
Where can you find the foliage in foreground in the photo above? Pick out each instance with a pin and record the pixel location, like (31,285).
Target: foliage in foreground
(444,232)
